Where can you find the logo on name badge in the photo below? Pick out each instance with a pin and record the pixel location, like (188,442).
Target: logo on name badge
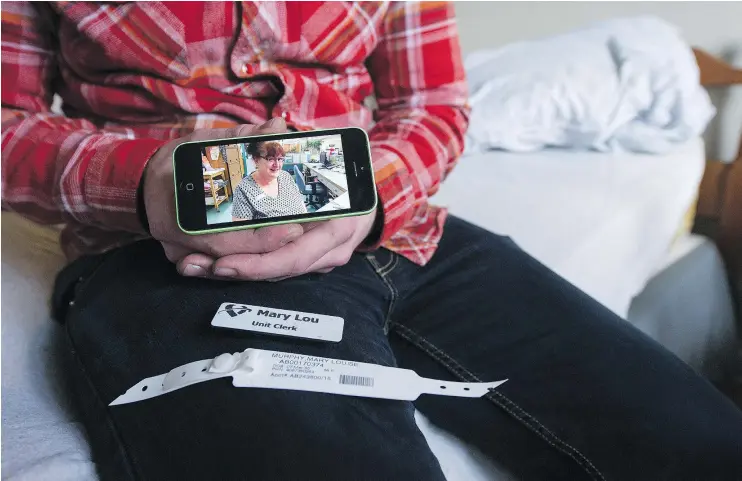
(235,310)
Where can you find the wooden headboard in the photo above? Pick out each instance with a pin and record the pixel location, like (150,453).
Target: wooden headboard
(719,209)
(716,72)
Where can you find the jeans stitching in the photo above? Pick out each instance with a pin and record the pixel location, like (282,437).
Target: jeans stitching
(391,259)
(508,405)
(395,293)
(391,265)
(374,263)
(392,290)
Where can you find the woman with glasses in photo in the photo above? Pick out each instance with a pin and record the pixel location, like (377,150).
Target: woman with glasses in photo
(268,191)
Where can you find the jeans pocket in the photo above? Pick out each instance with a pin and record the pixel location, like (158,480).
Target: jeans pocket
(72,281)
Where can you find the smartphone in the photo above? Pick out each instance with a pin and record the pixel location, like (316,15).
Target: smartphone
(257,181)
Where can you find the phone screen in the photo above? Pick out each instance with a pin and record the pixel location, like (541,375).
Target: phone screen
(256,181)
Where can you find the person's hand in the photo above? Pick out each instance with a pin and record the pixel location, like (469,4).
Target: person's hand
(323,246)
(159,199)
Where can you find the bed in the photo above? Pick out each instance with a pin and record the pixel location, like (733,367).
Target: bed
(604,221)
(614,225)
(550,213)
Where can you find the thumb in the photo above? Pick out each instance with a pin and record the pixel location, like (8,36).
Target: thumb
(243,130)
(275,125)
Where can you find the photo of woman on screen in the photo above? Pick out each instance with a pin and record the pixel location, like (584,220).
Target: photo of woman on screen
(268,191)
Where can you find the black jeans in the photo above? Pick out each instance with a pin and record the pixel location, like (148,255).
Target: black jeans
(589,396)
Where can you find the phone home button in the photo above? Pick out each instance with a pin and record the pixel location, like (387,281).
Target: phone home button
(189,187)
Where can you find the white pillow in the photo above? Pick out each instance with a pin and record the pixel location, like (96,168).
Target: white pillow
(626,84)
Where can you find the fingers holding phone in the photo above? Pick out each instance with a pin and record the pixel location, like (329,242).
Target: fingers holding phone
(328,245)
(160,203)
(221,200)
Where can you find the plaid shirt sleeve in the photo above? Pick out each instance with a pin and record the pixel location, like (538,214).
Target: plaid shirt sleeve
(421,120)
(56,169)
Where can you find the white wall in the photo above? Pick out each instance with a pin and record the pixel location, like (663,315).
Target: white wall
(331,140)
(713,26)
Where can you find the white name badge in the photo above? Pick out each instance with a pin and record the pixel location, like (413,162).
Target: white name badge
(259,368)
(279,321)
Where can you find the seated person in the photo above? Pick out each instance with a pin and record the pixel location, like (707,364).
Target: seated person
(269,191)
(590,397)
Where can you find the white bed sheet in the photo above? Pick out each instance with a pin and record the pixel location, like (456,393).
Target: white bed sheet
(602,221)
(41,439)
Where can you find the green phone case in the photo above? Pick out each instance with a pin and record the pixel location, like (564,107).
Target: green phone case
(273,222)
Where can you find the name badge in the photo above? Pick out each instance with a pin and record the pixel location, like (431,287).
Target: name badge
(281,322)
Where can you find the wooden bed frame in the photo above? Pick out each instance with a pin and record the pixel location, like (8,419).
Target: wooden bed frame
(719,209)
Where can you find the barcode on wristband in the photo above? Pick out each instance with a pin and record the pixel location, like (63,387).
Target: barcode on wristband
(357,380)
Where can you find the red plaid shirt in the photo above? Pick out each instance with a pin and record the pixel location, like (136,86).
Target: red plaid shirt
(135,74)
